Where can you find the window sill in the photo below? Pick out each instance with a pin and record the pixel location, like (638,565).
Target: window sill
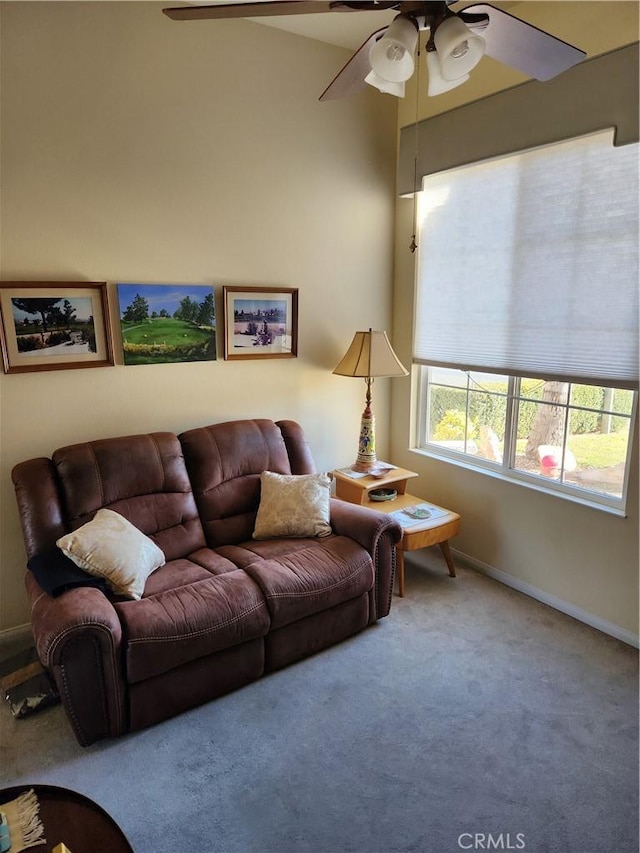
(520,479)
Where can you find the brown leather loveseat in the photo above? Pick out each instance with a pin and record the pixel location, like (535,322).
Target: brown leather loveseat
(225,608)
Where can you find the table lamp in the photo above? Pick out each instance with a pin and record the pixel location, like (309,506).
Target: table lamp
(370,355)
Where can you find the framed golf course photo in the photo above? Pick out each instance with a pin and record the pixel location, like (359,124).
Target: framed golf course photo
(260,322)
(163,323)
(54,325)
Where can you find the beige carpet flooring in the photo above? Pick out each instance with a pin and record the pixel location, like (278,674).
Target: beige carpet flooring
(473,715)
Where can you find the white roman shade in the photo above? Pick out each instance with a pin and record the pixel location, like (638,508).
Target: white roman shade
(528,264)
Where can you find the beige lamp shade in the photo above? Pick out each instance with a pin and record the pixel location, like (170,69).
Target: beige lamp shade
(369,355)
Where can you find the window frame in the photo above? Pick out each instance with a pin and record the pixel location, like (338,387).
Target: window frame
(505,470)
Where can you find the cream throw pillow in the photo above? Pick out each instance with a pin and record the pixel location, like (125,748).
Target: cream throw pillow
(293,505)
(110,547)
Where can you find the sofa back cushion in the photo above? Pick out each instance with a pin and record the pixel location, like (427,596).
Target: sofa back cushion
(225,461)
(142,477)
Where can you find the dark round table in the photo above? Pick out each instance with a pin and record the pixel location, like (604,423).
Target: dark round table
(73,819)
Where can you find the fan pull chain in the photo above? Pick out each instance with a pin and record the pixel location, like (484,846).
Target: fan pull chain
(413,245)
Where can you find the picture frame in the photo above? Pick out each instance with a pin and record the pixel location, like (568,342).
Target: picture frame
(54,325)
(167,323)
(260,322)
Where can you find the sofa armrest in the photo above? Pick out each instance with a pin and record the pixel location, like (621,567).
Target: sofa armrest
(78,639)
(378,534)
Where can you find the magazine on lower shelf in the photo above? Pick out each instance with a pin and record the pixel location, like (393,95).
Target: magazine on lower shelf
(417,514)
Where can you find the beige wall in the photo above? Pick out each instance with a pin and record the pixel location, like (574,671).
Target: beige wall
(582,559)
(139,149)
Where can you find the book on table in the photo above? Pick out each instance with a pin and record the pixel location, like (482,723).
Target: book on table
(417,514)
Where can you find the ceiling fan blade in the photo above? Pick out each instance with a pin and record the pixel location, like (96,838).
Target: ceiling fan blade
(247,10)
(523,46)
(350,79)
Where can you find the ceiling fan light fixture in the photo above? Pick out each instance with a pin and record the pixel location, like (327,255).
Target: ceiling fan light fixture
(459,49)
(437,84)
(385,86)
(391,57)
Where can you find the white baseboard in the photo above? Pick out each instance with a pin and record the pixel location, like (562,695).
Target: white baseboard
(15,635)
(603,625)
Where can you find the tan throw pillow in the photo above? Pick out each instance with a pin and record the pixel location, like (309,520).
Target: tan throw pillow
(110,547)
(293,505)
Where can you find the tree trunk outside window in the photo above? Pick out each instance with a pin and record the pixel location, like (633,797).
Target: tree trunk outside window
(548,426)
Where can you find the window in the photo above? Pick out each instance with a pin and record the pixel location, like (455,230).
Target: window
(571,438)
(527,316)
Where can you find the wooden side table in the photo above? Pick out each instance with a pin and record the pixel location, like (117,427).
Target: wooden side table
(421,534)
(356,490)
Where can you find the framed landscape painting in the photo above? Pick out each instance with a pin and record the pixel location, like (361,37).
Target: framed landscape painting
(260,322)
(54,325)
(164,323)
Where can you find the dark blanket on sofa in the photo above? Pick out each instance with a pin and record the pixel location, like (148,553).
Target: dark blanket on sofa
(56,573)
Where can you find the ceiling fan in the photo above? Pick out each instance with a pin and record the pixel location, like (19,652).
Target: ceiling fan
(457,42)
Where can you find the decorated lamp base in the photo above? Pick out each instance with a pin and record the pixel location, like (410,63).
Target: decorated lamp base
(366,460)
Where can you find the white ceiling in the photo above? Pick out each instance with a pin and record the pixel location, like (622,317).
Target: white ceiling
(345,29)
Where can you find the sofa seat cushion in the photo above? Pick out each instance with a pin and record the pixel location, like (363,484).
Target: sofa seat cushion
(166,630)
(199,565)
(299,577)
